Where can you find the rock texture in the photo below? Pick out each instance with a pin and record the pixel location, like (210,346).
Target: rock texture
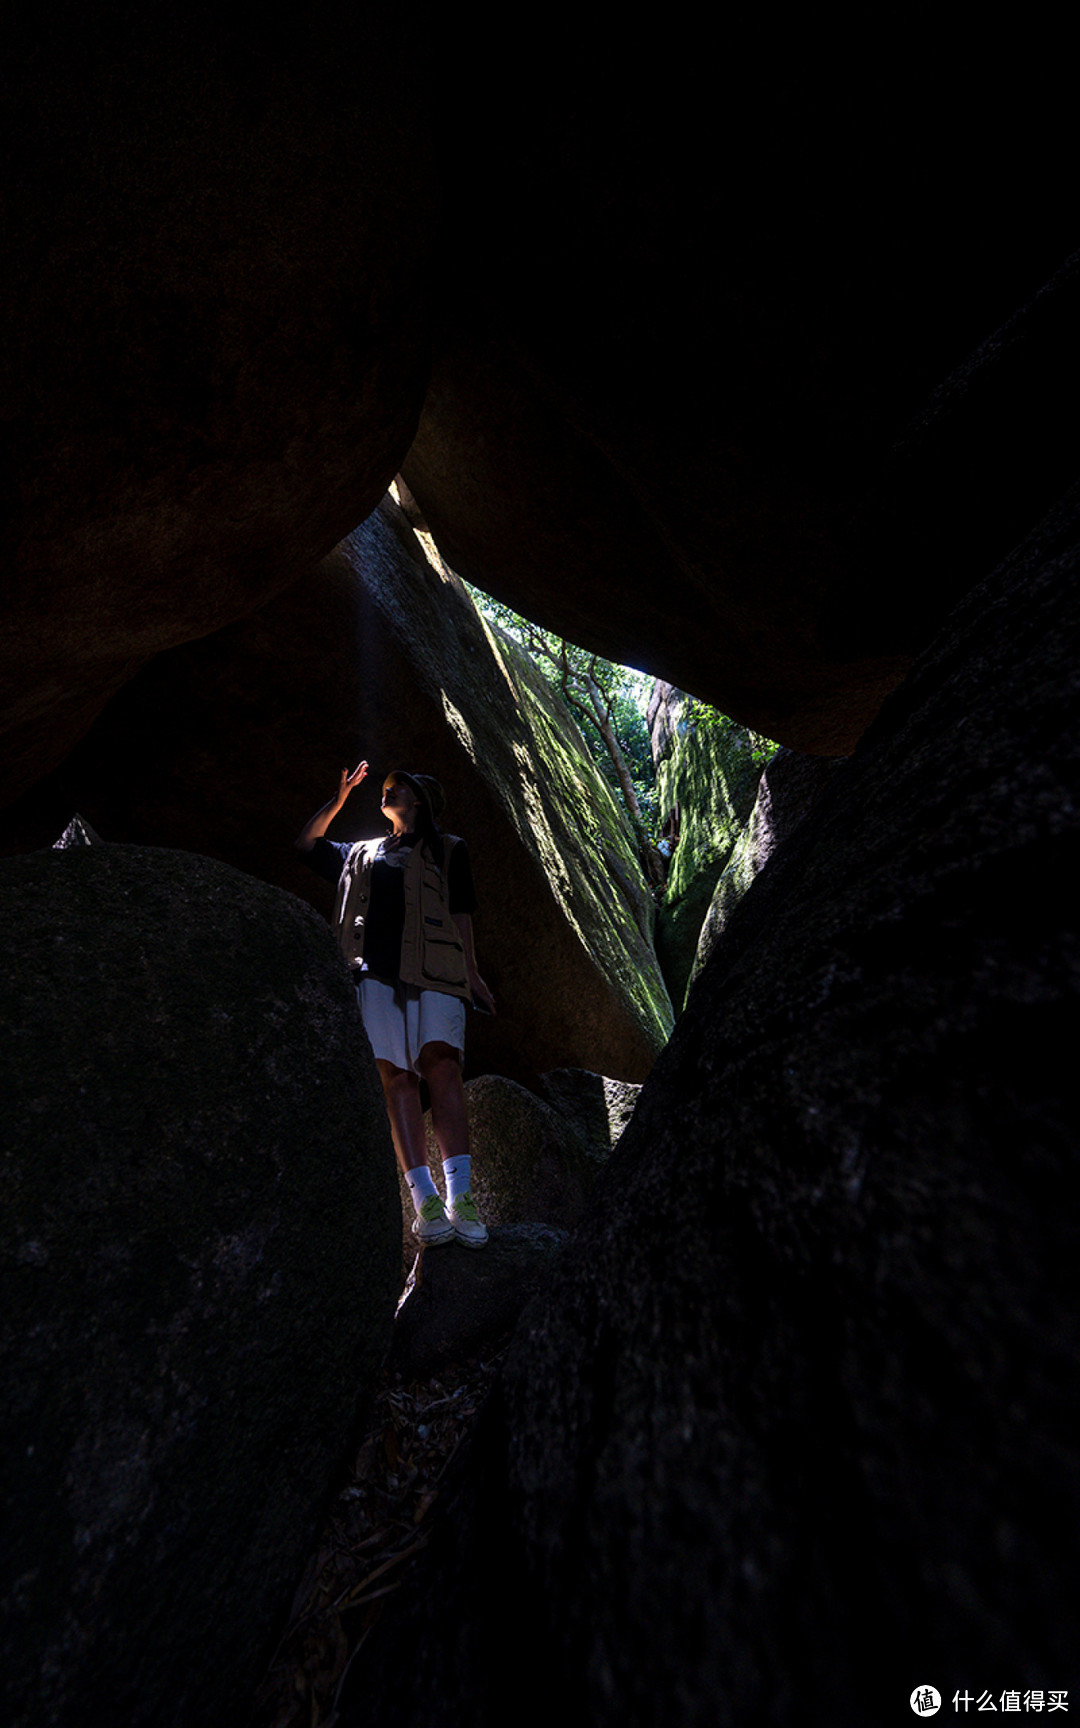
(598,1109)
(461,1301)
(215,312)
(198,1269)
(716,386)
(707,773)
(226,746)
(788,788)
(530,1164)
(834,1448)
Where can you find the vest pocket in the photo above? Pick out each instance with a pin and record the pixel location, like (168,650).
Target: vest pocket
(443,959)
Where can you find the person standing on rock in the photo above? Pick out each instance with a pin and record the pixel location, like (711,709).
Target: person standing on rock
(404,919)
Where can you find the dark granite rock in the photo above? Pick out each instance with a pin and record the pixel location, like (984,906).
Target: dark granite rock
(215,314)
(462,1301)
(598,1109)
(827,1450)
(198,1261)
(788,788)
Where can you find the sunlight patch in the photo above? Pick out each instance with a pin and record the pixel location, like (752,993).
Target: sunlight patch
(459,725)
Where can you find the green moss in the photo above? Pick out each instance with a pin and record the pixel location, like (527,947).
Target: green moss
(582,823)
(713,777)
(525,745)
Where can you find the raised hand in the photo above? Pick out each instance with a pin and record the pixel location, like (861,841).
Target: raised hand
(348,781)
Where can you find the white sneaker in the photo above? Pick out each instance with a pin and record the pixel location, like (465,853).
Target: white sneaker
(465,1222)
(431,1225)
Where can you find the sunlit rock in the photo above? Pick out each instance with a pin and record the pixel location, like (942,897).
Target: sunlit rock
(707,773)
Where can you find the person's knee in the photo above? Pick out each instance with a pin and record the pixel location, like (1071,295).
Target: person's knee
(397,1082)
(440,1065)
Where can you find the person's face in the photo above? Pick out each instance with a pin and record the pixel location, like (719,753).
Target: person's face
(399,798)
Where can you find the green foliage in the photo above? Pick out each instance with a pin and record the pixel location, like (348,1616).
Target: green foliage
(623,692)
(700,715)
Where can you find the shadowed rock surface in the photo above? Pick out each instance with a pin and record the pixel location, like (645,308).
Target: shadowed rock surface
(598,1109)
(227,745)
(788,788)
(831,1444)
(198,1260)
(461,1301)
(215,315)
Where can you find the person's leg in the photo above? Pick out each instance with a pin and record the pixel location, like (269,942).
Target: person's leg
(440,1065)
(401,1089)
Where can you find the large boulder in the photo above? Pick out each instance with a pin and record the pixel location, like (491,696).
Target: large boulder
(827,1450)
(460,1301)
(227,745)
(788,788)
(598,1109)
(726,382)
(198,1260)
(217,234)
(530,1166)
(707,774)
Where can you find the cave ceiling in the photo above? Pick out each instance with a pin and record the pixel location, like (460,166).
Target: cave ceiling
(737,367)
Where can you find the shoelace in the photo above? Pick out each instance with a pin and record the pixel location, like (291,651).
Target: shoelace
(465,1208)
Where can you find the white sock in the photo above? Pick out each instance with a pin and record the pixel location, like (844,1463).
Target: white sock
(421,1187)
(458,1173)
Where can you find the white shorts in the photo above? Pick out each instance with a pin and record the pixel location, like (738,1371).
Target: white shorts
(401,1018)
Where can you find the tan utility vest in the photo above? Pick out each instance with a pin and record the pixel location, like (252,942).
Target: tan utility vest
(432,952)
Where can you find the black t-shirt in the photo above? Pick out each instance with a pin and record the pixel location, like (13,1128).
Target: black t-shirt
(385,922)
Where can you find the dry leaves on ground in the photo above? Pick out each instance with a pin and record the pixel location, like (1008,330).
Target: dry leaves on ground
(376,1526)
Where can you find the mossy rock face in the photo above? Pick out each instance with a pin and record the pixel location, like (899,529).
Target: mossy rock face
(556,860)
(712,778)
(788,788)
(198,1255)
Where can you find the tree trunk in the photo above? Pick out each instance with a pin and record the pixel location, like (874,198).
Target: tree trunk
(651,861)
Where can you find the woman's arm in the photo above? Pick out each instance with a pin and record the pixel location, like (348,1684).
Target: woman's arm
(463,920)
(315,828)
